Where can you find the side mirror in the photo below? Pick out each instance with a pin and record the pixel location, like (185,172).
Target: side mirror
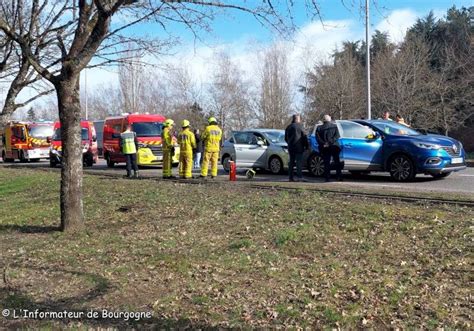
(260,143)
(48,140)
(94,138)
(373,136)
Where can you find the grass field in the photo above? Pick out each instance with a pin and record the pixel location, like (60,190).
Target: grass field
(205,256)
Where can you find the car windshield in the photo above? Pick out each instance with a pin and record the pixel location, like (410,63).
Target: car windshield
(84,134)
(396,129)
(276,137)
(147,129)
(41,131)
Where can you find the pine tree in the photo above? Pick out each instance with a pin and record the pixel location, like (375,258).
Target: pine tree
(31,115)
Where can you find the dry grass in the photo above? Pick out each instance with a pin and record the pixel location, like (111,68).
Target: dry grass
(208,256)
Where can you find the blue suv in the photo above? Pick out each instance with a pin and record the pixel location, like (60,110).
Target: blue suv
(379,145)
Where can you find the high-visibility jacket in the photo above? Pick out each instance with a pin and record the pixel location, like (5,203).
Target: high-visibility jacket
(211,137)
(128,142)
(186,141)
(167,139)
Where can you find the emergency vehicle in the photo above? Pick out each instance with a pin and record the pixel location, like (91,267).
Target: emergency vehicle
(25,141)
(148,128)
(90,153)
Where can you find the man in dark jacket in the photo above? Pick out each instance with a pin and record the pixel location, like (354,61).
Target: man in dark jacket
(297,142)
(327,136)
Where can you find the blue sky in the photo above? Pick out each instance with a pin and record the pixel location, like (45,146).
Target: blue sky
(236,25)
(343,20)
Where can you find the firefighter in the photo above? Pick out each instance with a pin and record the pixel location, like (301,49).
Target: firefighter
(187,143)
(129,146)
(211,138)
(167,144)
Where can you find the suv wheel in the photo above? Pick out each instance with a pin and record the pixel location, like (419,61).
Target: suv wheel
(225,162)
(275,165)
(316,165)
(401,168)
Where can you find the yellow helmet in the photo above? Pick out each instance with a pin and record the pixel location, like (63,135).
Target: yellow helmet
(212,120)
(169,122)
(185,124)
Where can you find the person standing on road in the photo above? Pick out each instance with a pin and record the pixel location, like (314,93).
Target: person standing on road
(211,138)
(129,147)
(167,145)
(198,150)
(187,143)
(327,136)
(297,142)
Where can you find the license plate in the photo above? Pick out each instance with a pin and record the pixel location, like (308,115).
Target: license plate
(457,160)
(159,158)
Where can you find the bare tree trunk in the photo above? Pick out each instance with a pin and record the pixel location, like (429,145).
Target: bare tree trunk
(72,215)
(6,115)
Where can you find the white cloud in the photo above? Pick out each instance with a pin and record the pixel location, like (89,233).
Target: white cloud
(313,42)
(397,23)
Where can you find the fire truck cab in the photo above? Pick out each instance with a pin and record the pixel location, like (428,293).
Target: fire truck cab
(90,154)
(148,128)
(25,141)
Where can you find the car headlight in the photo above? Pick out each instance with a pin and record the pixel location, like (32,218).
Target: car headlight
(427,145)
(285,149)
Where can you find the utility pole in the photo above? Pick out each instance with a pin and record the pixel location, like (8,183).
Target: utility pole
(367,58)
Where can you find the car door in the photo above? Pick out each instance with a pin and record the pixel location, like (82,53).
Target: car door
(248,152)
(361,148)
(258,150)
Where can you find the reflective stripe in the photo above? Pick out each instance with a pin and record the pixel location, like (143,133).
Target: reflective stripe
(212,137)
(187,141)
(128,143)
(166,139)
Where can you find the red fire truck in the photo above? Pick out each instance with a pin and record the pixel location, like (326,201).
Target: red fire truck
(25,141)
(90,154)
(148,128)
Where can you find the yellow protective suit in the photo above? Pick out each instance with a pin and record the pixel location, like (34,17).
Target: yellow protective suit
(167,145)
(187,142)
(211,138)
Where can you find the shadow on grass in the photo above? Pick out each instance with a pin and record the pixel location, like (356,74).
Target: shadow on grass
(14,298)
(29,228)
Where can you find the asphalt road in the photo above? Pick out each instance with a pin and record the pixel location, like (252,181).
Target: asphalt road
(459,182)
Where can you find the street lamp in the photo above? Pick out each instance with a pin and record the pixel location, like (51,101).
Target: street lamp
(367,59)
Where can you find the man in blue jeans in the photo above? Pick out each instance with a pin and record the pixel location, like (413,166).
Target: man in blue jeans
(297,142)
